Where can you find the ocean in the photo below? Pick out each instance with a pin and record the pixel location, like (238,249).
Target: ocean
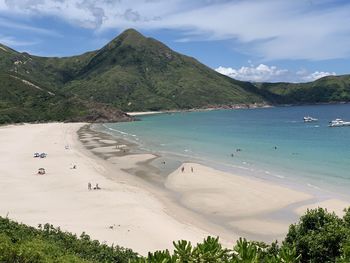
(269,143)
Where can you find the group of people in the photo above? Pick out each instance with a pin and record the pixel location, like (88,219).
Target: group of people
(239,150)
(95,188)
(183,169)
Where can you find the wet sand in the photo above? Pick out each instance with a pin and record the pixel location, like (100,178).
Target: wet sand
(144,203)
(221,203)
(121,213)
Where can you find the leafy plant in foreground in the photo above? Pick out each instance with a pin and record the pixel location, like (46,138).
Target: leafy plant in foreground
(318,237)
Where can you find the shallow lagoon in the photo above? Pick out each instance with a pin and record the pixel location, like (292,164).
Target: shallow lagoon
(275,143)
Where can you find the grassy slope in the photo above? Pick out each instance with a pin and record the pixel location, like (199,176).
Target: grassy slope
(138,73)
(23,102)
(20,101)
(27,66)
(324,90)
(21,243)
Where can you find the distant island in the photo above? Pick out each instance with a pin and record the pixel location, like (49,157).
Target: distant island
(135,73)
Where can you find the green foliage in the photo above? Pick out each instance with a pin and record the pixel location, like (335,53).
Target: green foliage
(183,251)
(346,217)
(245,251)
(324,90)
(20,243)
(20,101)
(288,255)
(211,251)
(318,237)
(345,252)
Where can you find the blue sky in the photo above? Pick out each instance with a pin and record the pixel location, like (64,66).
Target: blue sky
(257,40)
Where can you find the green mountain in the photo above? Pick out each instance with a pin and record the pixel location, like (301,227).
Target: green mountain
(134,73)
(131,73)
(24,101)
(30,91)
(324,90)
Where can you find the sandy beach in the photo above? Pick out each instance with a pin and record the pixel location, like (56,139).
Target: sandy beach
(119,213)
(137,207)
(140,113)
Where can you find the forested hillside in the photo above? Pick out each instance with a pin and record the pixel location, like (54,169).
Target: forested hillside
(135,73)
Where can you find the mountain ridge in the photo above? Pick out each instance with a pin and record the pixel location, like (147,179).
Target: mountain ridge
(137,73)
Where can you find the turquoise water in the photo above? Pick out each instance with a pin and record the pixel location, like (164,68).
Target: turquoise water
(275,142)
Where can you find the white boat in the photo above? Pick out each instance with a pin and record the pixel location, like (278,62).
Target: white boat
(339,123)
(309,119)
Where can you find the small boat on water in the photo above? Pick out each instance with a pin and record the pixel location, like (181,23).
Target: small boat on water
(309,119)
(339,123)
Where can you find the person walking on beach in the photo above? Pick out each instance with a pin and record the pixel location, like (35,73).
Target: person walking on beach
(89,186)
(182,169)
(191,169)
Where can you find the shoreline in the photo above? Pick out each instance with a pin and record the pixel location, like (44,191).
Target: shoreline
(267,218)
(265,173)
(121,213)
(232,107)
(138,191)
(141,113)
(141,173)
(209,108)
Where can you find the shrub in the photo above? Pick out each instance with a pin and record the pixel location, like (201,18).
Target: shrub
(318,236)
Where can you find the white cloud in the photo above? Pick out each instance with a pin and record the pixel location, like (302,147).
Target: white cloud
(265,73)
(261,73)
(102,14)
(270,29)
(306,77)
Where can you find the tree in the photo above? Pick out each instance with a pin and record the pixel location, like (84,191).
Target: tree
(318,236)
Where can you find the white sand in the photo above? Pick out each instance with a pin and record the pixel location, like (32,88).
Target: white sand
(261,227)
(211,191)
(139,113)
(141,220)
(332,205)
(61,197)
(216,193)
